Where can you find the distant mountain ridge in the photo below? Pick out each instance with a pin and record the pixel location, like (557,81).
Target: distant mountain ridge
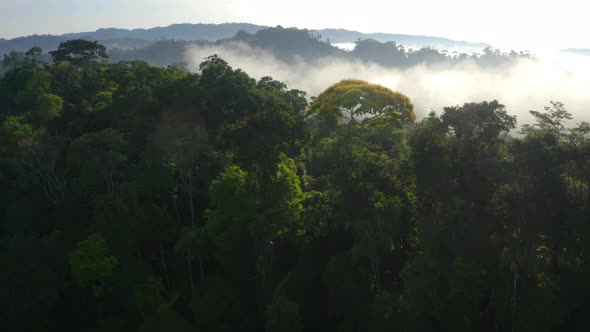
(188,32)
(138,38)
(347,36)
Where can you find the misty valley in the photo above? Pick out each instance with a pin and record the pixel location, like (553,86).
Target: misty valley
(238,177)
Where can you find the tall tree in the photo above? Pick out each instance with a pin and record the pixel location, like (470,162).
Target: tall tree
(79,52)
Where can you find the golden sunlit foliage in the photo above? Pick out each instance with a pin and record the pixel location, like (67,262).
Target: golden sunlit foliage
(354,100)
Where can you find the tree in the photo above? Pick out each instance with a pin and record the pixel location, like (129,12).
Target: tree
(79,52)
(385,54)
(485,120)
(90,263)
(551,121)
(462,165)
(355,101)
(33,55)
(95,158)
(204,201)
(16,131)
(11,60)
(283,316)
(38,82)
(478,147)
(233,205)
(49,107)
(541,161)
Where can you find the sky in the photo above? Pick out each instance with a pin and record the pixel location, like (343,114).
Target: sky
(519,24)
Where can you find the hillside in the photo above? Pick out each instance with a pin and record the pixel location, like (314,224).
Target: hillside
(348,36)
(288,45)
(131,39)
(188,32)
(137,38)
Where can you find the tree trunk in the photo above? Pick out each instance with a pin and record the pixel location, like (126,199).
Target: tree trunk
(555,257)
(190,272)
(176,210)
(514,301)
(164,267)
(190,198)
(201,267)
(375,267)
(575,187)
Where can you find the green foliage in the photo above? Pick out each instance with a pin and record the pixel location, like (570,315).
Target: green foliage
(359,101)
(283,315)
(48,107)
(37,83)
(90,264)
(16,131)
(287,192)
(79,52)
(34,53)
(225,208)
(552,120)
(103,100)
(11,60)
(167,320)
(96,159)
(216,307)
(231,196)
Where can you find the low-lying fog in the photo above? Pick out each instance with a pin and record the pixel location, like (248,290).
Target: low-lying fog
(523,86)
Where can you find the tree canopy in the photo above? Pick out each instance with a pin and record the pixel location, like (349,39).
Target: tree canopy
(362,102)
(79,52)
(141,198)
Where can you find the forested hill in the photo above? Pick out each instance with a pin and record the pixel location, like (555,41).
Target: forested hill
(151,199)
(136,38)
(288,45)
(188,32)
(130,39)
(348,36)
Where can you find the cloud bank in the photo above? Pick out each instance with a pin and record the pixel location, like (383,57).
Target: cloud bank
(523,86)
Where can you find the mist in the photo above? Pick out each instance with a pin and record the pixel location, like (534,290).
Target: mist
(522,86)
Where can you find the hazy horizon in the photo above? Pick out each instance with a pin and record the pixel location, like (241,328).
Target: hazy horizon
(475,21)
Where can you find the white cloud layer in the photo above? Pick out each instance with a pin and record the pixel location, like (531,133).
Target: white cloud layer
(522,87)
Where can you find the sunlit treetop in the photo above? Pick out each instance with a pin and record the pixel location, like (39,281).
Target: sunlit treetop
(359,101)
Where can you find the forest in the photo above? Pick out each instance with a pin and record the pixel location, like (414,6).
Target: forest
(286,44)
(143,198)
(125,39)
